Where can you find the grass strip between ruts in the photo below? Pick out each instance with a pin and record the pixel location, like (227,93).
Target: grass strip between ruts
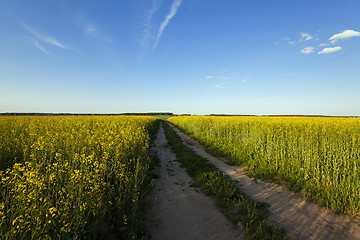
(232,202)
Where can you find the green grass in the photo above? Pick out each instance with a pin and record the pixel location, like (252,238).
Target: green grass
(163,117)
(233,203)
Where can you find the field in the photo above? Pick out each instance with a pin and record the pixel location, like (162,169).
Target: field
(86,177)
(73,177)
(319,156)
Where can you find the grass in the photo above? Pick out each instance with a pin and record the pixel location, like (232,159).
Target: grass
(233,203)
(163,117)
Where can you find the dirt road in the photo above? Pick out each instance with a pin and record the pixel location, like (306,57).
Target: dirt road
(300,219)
(179,211)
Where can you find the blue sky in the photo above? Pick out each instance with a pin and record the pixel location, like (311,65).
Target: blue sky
(182,56)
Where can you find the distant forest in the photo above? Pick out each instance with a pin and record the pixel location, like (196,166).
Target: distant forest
(85,114)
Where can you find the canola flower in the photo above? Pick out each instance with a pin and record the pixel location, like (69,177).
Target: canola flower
(72,177)
(320,156)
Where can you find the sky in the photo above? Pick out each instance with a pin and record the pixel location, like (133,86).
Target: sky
(255,57)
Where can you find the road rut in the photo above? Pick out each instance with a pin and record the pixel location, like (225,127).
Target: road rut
(178,211)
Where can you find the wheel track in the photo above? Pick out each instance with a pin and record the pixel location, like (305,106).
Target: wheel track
(178,211)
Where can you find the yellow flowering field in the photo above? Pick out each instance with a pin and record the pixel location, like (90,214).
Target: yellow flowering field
(73,177)
(318,155)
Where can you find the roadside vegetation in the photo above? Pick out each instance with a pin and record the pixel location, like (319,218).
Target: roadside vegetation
(233,203)
(319,156)
(163,116)
(74,177)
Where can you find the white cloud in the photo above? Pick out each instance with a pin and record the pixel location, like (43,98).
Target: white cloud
(209,77)
(173,10)
(344,35)
(330,50)
(305,37)
(323,45)
(45,38)
(244,80)
(307,50)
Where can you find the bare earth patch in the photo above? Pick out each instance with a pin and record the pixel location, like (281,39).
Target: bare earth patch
(300,219)
(179,211)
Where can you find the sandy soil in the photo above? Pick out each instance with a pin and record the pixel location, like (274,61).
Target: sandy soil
(300,219)
(179,211)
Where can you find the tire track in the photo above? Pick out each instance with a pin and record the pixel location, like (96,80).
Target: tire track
(177,210)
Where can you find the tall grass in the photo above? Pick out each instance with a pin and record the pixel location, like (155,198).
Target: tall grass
(72,177)
(320,156)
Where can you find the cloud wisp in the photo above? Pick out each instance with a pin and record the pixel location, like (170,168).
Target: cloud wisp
(45,38)
(344,35)
(41,48)
(173,10)
(330,50)
(305,37)
(89,29)
(146,33)
(290,42)
(222,81)
(219,80)
(307,50)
